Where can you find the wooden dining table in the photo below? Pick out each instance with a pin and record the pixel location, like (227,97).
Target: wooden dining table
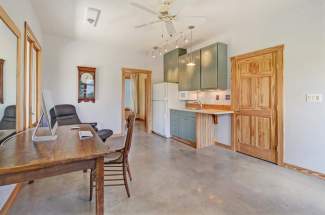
(22,160)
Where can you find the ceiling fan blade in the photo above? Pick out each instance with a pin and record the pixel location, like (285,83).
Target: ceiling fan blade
(170,28)
(142,7)
(146,24)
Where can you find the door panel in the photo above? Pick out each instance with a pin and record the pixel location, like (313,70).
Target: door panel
(246,101)
(244,129)
(159,117)
(255,89)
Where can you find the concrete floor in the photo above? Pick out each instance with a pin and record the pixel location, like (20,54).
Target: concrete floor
(172,178)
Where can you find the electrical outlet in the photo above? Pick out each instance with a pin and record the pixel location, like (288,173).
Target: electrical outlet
(227,97)
(217,97)
(314,98)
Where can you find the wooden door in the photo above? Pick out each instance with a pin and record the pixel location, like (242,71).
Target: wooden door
(257,101)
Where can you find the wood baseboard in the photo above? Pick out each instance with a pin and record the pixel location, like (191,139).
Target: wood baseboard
(5,209)
(223,145)
(186,142)
(155,133)
(304,171)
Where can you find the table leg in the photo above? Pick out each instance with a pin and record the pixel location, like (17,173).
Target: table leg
(100,186)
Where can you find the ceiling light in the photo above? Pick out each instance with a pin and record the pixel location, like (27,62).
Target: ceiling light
(92,16)
(191,64)
(191,61)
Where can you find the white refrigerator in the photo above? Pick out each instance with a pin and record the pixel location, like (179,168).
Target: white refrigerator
(165,96)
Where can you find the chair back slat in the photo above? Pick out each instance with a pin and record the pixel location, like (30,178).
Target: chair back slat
(129,124)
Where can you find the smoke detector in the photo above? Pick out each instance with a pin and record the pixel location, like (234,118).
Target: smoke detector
(92,16)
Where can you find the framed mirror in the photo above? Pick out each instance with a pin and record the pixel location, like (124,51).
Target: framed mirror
(32,76)
(9,76)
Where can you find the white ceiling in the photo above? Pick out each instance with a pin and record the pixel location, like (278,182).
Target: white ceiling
(118,18)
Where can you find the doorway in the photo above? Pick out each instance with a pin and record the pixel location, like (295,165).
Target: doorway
(136,96)
(257,85)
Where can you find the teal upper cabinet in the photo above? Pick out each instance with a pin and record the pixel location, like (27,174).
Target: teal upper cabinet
(214,67)
(171,65)
(190,76)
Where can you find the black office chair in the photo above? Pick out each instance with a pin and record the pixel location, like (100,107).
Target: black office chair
(8,120)
(66,114)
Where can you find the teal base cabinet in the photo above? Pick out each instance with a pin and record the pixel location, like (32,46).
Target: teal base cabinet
(183,125)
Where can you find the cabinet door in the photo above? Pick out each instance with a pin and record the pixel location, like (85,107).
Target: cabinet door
(214,67)
(192,128)
(168,67)
(194,72)
(174,123)
(209,67)
(171,65)
(186,126)
(182,75)
(222,66)
(189,76)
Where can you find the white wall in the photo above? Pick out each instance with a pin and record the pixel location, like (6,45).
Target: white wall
(301,28)
(63,55)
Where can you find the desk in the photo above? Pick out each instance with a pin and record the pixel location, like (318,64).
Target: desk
(22,160)
(4,134)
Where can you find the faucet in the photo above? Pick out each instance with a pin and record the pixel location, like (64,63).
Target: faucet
(199,103)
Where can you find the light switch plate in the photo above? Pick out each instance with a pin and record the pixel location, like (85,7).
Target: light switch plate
(314,98)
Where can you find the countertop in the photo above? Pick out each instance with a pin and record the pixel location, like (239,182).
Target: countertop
(205,111)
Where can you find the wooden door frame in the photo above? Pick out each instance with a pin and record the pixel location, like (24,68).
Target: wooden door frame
(279,51)
(19,109)
(126,72)
(15,30)
(29,37)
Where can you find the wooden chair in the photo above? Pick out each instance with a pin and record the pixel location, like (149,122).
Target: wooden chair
(116,164)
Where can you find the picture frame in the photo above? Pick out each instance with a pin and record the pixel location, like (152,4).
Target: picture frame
(86,84)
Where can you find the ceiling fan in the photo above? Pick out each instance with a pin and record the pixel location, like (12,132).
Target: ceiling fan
(164,16)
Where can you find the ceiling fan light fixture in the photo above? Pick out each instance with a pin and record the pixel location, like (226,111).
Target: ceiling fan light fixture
(191,61)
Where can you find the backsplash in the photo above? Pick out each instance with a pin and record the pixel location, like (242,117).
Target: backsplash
(219,97)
